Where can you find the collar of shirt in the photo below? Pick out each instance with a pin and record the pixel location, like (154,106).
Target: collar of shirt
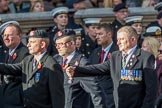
(107,50)
(11,52)
(40,56)
(70,57)
(130,52)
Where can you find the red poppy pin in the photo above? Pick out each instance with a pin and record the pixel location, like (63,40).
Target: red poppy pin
(64,67)
(59,33)
(14,56)
(108,56)
(39,65)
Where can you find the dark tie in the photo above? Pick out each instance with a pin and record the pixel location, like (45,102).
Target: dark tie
(102,56)
(9,58)
(124,59)
(64,62)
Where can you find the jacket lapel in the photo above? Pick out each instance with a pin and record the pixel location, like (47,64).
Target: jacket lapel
(118,65)
(15,54)
(30,67)
(59,59)
(98,55)
(112,49)
(133,59)
(14,57)
(41,62)
(74,59)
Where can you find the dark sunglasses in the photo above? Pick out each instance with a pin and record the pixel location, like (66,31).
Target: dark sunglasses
(160,51)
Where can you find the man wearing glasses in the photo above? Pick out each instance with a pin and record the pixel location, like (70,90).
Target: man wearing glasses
(80,90)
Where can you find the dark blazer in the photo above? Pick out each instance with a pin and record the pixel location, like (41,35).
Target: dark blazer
(11,94)
(158,102)
(87,46)
(104,81)
(83,90)
(78,57)
(75,96)
(21,51)
(135,93)
(51,34)
(43,86)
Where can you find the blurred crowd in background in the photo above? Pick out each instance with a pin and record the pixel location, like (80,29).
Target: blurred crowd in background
(20,6)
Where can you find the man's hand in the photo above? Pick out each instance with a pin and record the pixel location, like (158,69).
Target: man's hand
(70,71)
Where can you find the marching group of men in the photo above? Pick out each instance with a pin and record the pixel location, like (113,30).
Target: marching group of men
(106,69)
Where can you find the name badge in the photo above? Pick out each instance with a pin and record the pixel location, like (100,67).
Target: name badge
(37,77)
(131,75)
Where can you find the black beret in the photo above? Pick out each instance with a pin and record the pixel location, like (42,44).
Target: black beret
(39,34)
(64,33)
(120,6)
(158,6)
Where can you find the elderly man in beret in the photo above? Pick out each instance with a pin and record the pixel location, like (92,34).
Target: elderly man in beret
(11,94)
(42,76)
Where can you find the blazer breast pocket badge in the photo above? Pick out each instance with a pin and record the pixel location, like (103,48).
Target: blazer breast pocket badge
(131,75)
(37,77)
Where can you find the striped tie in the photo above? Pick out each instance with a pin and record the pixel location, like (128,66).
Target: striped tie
(124,60)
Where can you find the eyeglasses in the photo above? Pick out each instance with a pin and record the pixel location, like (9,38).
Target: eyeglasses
(160,51)
(61,44)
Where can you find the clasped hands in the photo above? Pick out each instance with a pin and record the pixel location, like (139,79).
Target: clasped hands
(70,71)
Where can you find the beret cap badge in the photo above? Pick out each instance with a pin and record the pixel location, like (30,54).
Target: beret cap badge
(158,32)
(59,33)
